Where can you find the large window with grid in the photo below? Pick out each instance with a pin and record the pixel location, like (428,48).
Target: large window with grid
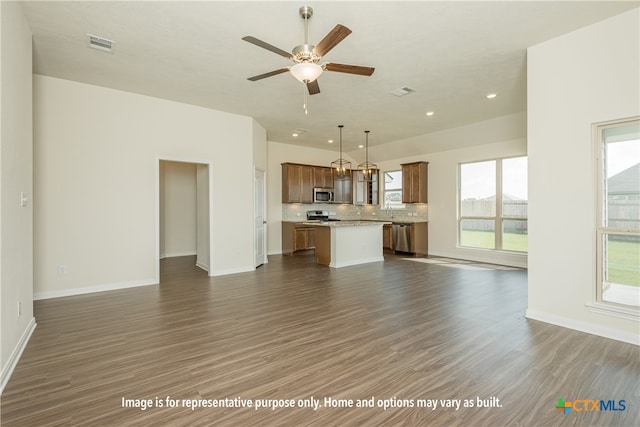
(618,213)
(492,204)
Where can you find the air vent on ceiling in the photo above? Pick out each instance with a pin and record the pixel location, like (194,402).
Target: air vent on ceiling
(402,91)
(100,43)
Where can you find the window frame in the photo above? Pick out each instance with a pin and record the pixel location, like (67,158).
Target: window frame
(499,217)
(602,229)
(383,203)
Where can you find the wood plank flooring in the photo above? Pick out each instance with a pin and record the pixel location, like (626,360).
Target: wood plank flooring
(398,331)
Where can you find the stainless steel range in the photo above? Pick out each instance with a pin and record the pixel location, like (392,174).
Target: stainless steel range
(319,216)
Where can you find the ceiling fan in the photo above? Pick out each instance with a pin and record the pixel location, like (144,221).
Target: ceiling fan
(306,56)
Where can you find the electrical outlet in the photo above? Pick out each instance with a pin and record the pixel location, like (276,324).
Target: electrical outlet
(62,269)
(19,308)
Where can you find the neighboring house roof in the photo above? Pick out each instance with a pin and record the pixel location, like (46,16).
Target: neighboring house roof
(625,182)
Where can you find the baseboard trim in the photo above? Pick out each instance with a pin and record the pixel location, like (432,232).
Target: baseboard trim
(177,254)
(586,327)
(491,259)
(202,266)
(231,271)
(16,354)
(92,289)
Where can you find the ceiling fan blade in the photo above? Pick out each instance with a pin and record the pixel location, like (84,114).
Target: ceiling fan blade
(330,41)
(313,87)
(350,69)
(269,74)
(267,46)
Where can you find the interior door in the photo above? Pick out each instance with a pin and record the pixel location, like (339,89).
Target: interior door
(260,221)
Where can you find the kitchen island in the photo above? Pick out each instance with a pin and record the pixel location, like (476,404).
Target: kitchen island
(345,243)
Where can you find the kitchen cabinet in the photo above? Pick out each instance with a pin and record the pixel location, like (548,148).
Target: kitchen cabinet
(322,177)
(365,192)
(387,242)
(297,183)
(414,182)
(297,237)
(342,192)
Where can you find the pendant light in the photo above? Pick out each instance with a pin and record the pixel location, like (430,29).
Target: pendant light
(367,168)
(341,168)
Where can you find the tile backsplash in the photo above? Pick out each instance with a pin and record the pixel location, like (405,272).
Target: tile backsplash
(411,212)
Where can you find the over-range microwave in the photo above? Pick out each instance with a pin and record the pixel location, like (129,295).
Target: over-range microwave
(322,195)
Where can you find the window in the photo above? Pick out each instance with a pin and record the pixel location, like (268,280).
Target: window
(493,204)
(393,190)
(618,214)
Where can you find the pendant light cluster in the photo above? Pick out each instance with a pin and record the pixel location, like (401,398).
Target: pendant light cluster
(341,168)
(367,168)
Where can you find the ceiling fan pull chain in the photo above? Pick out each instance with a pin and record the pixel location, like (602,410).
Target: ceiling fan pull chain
(304,102)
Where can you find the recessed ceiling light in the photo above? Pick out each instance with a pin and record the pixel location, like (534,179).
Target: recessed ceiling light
(294,134)
(360,146)
(330,141)
(491,95)
(430,113)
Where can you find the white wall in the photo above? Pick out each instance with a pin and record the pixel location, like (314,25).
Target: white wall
(16,222)
(581,78)
(96,154)
(178,208)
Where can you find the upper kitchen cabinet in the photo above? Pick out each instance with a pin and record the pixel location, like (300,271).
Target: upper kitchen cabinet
(297,183)
(365,192)
(414,182)
(342,192)
(322,177)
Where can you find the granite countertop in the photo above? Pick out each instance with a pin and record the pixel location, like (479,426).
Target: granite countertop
(386,221)
(347,223)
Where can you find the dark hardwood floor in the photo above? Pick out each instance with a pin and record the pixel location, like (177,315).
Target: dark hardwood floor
(399,332)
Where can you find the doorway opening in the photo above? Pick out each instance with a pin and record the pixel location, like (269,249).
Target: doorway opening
(183,211)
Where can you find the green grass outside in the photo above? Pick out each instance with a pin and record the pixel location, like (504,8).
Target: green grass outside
(624,257)
(624,262)
(486,240)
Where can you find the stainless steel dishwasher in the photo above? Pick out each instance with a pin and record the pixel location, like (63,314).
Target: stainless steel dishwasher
(401,237)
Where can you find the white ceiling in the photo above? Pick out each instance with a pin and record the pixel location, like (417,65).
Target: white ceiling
(452,53)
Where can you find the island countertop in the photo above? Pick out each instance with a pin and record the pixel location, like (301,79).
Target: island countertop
(345,223)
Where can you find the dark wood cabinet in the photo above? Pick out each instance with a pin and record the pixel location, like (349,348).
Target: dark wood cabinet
(304,238)
(297,237)
(387,236)
(420,238)
(414,182)
(322,177)
(297,183)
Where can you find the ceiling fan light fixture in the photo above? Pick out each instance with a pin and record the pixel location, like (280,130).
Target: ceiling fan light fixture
(306,72)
